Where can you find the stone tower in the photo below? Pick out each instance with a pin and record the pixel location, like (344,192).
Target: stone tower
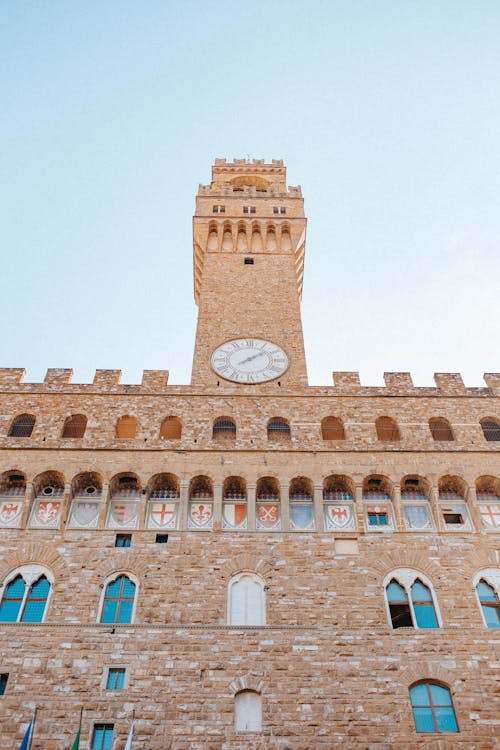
(248,254)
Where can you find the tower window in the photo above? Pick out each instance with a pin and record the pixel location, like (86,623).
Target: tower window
(432,708)
(22,426)
(3,682)
(249,209)
(218,209)
(248,261)
(102,737)
(491,429)
(279,210)
(123,540)
(116,678)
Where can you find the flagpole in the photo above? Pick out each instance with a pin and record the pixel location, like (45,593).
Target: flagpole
(32,727)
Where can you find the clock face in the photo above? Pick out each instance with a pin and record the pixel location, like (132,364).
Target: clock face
(249,361)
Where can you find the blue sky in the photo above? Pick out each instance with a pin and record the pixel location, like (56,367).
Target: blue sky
(387,113)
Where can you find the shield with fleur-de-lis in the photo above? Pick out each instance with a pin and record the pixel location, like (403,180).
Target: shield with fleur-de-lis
(200,515)
(47,513)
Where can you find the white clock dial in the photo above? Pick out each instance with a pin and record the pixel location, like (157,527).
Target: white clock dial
(249,361)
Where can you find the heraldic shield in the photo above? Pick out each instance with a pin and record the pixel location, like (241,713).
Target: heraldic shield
(268,516)
(234,516)
(490,516)
(200,516)
(301,517)
(46,514)
(10,513)
(122,515)
(417,517)
(162,515)
(340,517)
(84,514)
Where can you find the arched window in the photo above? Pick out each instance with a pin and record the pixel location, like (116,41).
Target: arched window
(377,496)
(278,429)
(12,484)
(224,428)
(126,427)
(25,595)
(410,601)
(487,584)
(247,711)
(246,605)
(123,509)
(387,429)
(332,428)
(75,426)
(171,429)
(491,430)
(48,502)
(118,602)
(440,429)
(86,490)
(432,708)
(201,506)
(22,426)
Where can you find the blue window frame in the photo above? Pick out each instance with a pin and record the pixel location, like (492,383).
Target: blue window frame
(423,606)
(378,518)
(116,678)
(19,605)
(490,604)
(102,737)
(118,601)
(432,708)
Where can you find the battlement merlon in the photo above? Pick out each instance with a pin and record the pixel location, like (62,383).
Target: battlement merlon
(448,384)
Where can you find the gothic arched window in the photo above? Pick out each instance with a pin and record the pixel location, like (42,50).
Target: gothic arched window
(432,708)
(247,711)
(487,584)
(75,426)
(118,602)
(246,600)
(410,601)
(22,426)
(25,595)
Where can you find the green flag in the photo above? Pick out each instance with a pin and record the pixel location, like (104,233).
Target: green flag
(76,743)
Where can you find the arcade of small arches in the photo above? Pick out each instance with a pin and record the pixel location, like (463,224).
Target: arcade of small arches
(241,237)
(334,503)
(278,428)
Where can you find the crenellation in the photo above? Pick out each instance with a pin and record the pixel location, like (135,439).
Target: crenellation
(154,380)
(57,377)
(11,375)
(106,379)
(346,380)
(492,380)
(398,382)
(449,383)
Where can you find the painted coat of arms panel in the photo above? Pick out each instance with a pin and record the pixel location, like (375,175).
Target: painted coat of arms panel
(301,517)
(418,517)
(162,515)
(11,511)
(84,514)
(122,514)
(268,517)
(490,516)
(234,516)
(45,514)
(339,517)
(201,515)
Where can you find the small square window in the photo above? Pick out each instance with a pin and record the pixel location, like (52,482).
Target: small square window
(455,518)
(249,209)
(161,538)
(116,678)
(248,261)
(377,519)
(102,737)
(3,683)
(279,210)
(123,540)
(218,209)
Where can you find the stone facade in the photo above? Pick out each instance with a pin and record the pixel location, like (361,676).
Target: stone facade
(329,667)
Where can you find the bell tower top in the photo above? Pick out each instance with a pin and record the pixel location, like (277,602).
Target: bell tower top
(249,233)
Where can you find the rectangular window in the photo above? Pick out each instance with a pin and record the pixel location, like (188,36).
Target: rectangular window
(249,209)
(3,683)
(248,261)
(218,209)
(279,210)
(116,678)
(455,518)
(123,540)
(102,737)
(377,519)
(161,538)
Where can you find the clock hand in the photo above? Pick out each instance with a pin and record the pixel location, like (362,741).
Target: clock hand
(249,359)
